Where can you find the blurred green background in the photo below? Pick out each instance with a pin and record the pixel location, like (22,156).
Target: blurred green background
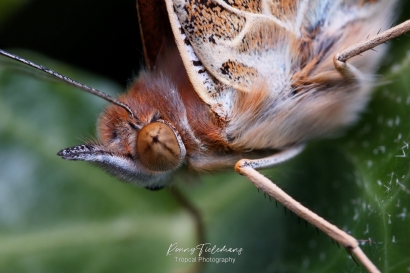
(60,216)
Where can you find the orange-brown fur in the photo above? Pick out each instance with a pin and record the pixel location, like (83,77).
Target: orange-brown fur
(150,98)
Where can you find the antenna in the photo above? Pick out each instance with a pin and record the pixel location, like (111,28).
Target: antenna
(69,81)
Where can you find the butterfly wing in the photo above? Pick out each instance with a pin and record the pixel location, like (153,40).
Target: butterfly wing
(154,28)
(229,46)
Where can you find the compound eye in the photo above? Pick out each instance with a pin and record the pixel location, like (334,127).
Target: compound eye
(160,147)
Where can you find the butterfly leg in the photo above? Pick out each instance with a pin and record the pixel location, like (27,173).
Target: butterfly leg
(197,218)
(247,168)
(349,71)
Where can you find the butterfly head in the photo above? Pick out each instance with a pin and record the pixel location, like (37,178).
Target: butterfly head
(140,149)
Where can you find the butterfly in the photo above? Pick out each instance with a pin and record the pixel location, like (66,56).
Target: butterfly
(225,90)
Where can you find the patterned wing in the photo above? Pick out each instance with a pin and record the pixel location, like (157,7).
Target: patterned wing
(234,45)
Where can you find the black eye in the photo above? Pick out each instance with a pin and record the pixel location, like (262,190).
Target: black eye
(114,134)
(154,188)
